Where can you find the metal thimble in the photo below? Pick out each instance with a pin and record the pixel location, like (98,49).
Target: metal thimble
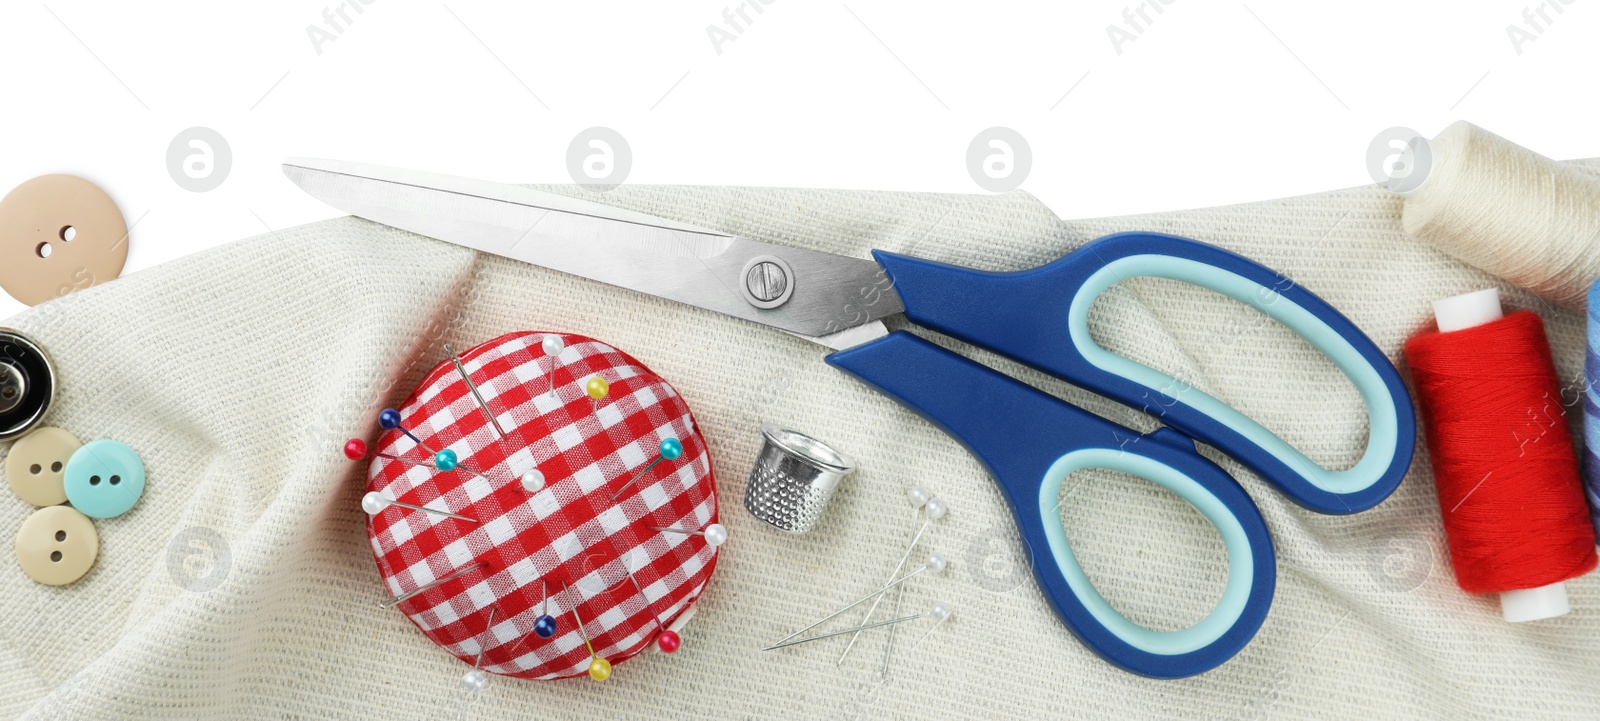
(793,479)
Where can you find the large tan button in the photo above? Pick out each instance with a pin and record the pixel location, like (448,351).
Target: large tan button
(57,545)
(59,234)
(36,463)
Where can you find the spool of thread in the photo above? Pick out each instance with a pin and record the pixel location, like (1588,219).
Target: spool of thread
(1507,210)
(1503,459)
(1591,407)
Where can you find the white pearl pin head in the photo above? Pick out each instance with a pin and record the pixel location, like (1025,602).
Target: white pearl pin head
(936,563)
(374,503)
(533,481)
(935,509)
(475,680)
(552,345)
(716,534)
(918,496)
(940,611)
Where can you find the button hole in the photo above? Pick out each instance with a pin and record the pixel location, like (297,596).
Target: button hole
(115,480)
(43,250)
(55,556)
(68,233)
(35,469)
(61,535)
(94,480)
(55,467)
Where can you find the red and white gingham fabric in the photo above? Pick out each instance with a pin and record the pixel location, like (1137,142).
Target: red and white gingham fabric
(570,535)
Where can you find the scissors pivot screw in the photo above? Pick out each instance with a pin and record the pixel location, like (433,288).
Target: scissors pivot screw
(767,281)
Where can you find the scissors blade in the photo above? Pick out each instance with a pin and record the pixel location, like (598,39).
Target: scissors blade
(829,294)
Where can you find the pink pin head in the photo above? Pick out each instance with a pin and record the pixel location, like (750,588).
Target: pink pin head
(669,642)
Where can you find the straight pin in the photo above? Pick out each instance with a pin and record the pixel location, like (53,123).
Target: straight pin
(408,596)
(374,503)
(715,534)
(667,641)
(501,432)
(476,679)
(552,346)
(935,563)
(934,509)
(599,668)
(445,460)
(671,449)
(938,613)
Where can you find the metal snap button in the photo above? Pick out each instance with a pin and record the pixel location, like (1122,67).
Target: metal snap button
(27,384)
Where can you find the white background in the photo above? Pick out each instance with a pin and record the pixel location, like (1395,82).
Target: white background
(1210,103)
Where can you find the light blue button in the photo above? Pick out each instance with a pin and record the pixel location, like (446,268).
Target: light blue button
(104,479)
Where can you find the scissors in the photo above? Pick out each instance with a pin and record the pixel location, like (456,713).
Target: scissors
(1028,440)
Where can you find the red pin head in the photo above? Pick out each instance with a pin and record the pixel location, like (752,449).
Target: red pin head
(355,449)
(669,641)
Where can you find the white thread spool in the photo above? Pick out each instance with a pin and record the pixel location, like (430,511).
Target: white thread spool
(1507,210)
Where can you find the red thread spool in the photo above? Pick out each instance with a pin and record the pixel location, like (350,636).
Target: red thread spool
(1503,458)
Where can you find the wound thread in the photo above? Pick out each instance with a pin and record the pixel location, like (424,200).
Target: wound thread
(1503,458)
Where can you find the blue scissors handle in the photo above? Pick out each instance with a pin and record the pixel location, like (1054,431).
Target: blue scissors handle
(1040,317)
(1030,442)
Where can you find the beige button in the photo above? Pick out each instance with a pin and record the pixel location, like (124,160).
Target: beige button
(59,234)
(35,466)
(57,545)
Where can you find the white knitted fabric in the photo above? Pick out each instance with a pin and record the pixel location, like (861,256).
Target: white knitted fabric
(242,586)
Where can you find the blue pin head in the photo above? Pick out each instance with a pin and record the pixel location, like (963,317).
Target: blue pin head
(545,627)
(671,448)
(389,419)
(446,460)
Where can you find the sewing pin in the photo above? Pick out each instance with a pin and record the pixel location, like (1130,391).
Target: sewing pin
(671,449)
(402,598)
(597,388)
(934,509)
(374,503)
(599,668)
(715,534)
(474,388)
(919,497)
(938,613)
(533,481)
(553,345)
(545,626)
(445,460)
(667,641)
(477,679)
(935,563)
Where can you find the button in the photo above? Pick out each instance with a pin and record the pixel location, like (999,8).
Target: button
(27,383)
(104,479)
(57,545)
(59,234)
(37,463)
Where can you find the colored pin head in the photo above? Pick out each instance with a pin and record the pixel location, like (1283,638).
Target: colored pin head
(355,449)
(446,460)
(669,642)
(597,388)
(545,626)
(389,419)
(599,669)
(671,448)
